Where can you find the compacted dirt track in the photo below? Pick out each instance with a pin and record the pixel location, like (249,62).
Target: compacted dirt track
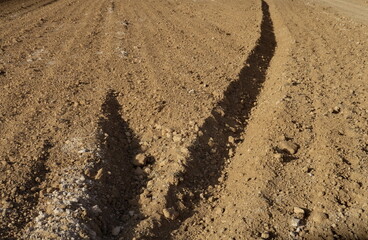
(164,119)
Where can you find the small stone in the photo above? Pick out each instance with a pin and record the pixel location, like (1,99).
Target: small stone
(265,235)
(6,204)
(88,172)
(170,213)
(150,183)
(84,151)
(99,174)
(319,217)
(177,138)
(278,156)
(84,236)
(147,170)
(57,211)
(321,194)
(211,142)
(140,160)
(42,193)
(64,227)
(282,137)
(298,210)
(293,235)
(184,150)
(231,152)
(219,211)
(124,53)
(116,230)
(289,147)
(207,220)
(336,110)
(295,222)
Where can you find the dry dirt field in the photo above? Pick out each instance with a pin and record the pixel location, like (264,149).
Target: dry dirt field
(184,119)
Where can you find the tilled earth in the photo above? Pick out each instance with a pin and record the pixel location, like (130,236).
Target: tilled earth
(193,119)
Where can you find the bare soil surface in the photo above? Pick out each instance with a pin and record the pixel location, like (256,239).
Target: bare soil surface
(355,9)
(193,119)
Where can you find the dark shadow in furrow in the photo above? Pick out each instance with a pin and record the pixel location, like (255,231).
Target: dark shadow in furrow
(227,121)
(119,183)
(27,199)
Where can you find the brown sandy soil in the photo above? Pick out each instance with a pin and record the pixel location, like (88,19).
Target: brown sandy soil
(355,9)
(194,119)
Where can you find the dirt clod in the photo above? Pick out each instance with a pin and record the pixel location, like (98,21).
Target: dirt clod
(298,210)
(289,147)
(170,213)
(265,235)
(318,216)
(140,160)
(295,222)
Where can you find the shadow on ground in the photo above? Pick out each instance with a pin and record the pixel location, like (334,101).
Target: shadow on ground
(119,183)
(221,130)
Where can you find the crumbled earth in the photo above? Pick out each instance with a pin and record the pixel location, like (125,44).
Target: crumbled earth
(193,119)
